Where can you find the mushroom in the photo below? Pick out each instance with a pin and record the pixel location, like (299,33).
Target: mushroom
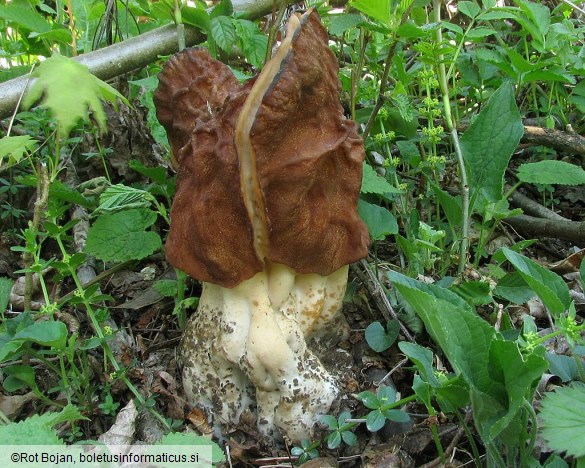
(265,216)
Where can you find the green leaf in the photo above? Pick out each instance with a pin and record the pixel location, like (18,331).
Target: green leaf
(15,147)
(122,236)
(223,8)
(28,18)
(490,141)
(379,220)
(369,400)
(374,183)
(549,286)
(379,339)
(121,197)
(470,9)
(5,288)
(513,288)
(156,174)
(398,416)
(551,172)
(377,9)
(46,333)
(334,440)
(562,366)
(422,359)
(339,24)
(422,389)
(480,33)
(329,421)
(375,420)
(18,377)
(57,77)
(197,17)
(223,32)
(475,292)
(349,438)
(563,419)
(386,395)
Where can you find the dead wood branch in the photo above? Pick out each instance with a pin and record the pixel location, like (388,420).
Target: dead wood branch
(573,231)
(569,142)
(530,207)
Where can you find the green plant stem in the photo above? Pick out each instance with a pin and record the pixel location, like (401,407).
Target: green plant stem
(356,72)
(100,333)
(274,28)
(385,73)
(463,250)
(470,439)
(180,26)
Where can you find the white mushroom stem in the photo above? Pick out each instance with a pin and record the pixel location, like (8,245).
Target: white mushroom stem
(255,333)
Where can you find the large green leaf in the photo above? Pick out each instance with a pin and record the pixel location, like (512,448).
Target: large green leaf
(379,220)
(70,91)
(563,419)
(551,172)
(223,32)
(499,377)
(377,9)
(549,286)
(489,143)
(374,183)
(46,333)
(28,18)
(122,236)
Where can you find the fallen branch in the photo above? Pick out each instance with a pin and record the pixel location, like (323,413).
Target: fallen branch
(133,53)
(530,207)
(573,231)
(569,142)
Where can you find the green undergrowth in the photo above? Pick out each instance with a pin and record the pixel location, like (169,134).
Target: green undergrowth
(442,102)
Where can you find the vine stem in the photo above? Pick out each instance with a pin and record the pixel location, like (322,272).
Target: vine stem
(463,250)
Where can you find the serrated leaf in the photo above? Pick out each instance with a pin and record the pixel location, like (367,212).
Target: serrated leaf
(70,92)
(122,236)
(255,49)
(223,32)
(15,147)
(549,286)
(563,419)
(551,172)
(379,220)
(121,197)
(490,141)
(374,183)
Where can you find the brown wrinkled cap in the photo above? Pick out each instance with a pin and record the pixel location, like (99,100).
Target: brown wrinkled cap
(270,170)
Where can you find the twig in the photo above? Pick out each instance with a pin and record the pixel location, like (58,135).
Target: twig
(378,294)
(573,231)
(530,207)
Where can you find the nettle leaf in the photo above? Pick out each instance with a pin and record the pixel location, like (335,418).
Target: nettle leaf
(374,183)
(70,91)
(122,236)
(563,419)
(551,172)
(548,286)
(379,220)
(121,197)
(15,147)
(490,141)
(223,32)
